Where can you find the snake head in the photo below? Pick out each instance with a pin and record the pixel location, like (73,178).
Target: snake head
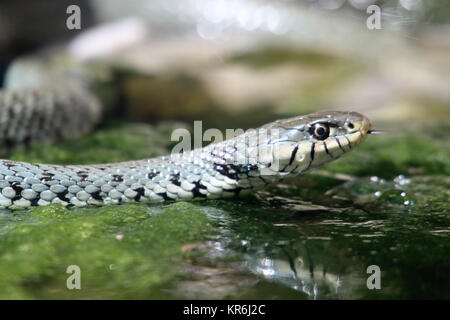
(310,141)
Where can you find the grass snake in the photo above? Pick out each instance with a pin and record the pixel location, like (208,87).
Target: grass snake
(43,106)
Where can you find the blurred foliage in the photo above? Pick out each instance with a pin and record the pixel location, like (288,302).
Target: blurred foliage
(267,57)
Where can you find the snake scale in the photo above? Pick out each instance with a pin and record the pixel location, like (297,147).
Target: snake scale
(46,107)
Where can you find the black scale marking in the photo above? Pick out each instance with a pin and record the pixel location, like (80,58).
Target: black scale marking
(117,178)
(18,189)
(95,195)
(151,175)
(196,190)
(140,193)
(176,179)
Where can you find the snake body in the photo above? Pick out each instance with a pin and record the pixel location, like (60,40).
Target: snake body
(41,105)
(44,111)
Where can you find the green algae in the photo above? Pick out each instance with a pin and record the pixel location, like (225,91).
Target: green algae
(128,251)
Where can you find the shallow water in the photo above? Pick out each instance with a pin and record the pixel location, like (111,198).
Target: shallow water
(385,204)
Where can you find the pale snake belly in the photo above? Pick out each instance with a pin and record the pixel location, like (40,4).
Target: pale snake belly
(278,150)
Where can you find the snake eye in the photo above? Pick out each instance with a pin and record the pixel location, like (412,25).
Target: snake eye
(320,131)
